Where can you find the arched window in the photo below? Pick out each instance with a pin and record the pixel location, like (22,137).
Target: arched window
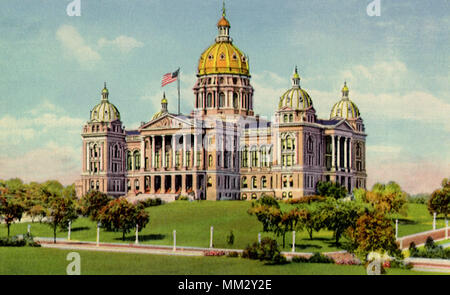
(244,182)
(137,160)
(244,196)
(92,185)
(210,160)
(284,195)
(221,100)
(97,185)
(264,162)
(291,118)
(290,195)
(244,157)
(254,196)
(254,155)
(263,182)
(235,99)
(128,185)
(136,184)
(209,100)
(358,150)
(129,161)
(310,144)
(209,184)
(95,151)
(285,118)
(254,184)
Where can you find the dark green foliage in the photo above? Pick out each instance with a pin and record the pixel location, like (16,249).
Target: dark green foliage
(233,254)
(306,200)
(439,201)
(266,200)
(400,264)
(92,203)
(230,238)
(315,258)
(19,241)
(149,203)
(267,251)
(430,250)
(330,189)
(418,199)
(121,216)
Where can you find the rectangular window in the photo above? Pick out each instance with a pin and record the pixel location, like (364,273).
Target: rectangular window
(188,159)
(199,154)
(177,159)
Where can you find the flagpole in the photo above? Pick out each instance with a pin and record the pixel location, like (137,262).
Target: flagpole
(179,78)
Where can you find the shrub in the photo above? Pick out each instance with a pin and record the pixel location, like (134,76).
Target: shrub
(233,254)
(413,251)
(320,258)
(149,203)
(267,251)
(300,259)
(183,198)
(19,241)
(306,200)
(400,264)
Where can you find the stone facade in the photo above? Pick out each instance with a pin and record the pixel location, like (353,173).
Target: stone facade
(222,150)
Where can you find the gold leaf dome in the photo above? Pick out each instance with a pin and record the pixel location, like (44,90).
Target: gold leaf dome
(105,111)
(345,108)
(295,98)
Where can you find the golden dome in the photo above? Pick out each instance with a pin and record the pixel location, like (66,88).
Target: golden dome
(223,58)
(345,108)
(295,98)
(163,110)
(105,111)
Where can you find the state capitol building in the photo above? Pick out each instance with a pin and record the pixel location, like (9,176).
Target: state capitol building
(222,150)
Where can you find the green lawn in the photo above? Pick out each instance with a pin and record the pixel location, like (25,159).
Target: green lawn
(418,220)
(44,261)
(192,221)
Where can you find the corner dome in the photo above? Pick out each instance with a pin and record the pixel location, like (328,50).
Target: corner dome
(105,111)
(295,98)
(345,108)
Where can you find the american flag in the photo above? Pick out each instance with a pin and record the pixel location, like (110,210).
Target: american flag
(169,78)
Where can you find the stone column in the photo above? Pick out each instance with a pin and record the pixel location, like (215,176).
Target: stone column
(174,150)
(338,153)
(184,150)
(350,154)
(152,184)
(195,149)
(173,184)
(142,153)
(333,153)
(163,151)
(153,151)
(183,183)
(163,184)
(345,153)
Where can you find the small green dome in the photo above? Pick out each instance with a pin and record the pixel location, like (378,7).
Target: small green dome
(295,98)
(345,108)
(105,111)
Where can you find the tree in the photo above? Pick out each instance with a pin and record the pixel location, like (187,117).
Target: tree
(311,220)
(60,211)
(387,198)
(11,209)
(266,210)
(287,221)
(439,201)
(92,203)
(121,215)
(330,189)
(338,216)
(373,232)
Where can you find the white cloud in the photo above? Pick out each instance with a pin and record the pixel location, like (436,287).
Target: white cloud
(124,43)
(53,161)
(76,47)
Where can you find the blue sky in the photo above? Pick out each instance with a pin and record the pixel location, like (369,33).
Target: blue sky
(397,65)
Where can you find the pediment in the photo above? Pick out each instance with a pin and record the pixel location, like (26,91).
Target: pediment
(343,126)
(167,121)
